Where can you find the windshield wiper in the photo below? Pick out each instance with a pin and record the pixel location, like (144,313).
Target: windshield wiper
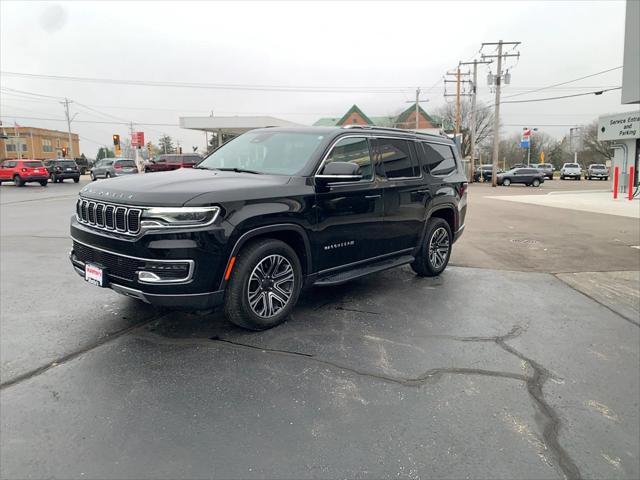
(237,170)
(200,167)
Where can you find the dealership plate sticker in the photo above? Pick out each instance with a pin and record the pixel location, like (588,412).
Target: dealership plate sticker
(94,275)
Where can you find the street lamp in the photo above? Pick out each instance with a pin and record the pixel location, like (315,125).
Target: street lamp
(535,129)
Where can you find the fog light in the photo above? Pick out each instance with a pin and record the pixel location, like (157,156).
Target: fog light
(148,277)
(155,272)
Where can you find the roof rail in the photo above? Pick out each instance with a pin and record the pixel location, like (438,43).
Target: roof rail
(391,129)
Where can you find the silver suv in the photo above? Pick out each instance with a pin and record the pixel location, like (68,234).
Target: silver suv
(570,170)
(113,167)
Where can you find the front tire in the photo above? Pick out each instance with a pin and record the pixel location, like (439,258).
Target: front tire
(92,176)
(108,175)
(506,182)
(435,252)
(264,285)
(76,180)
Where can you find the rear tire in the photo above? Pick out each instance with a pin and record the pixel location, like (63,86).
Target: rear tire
(44,183)
(76,180)
(536,182)
(108,175)
(18,181)
(264,285)
(435,251)
(92,177)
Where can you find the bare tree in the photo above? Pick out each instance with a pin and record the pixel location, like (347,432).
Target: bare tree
(591,144)
(484,122)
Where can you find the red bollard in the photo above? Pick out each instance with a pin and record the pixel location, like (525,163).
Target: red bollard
(631,179)
(616,171)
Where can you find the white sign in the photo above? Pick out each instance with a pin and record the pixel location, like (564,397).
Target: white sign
(621,126)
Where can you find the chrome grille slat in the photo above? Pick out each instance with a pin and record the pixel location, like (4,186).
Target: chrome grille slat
(109,217)
(105,216)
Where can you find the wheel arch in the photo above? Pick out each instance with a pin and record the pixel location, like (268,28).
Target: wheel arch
(290,233)
(447,212)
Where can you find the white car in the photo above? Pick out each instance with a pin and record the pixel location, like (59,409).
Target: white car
(570,170)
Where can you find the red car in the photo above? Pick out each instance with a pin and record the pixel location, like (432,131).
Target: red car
(23,171)
(173,162)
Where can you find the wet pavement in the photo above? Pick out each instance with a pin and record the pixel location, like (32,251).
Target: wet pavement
(478,373)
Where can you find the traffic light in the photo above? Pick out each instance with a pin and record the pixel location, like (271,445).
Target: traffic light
(64,151)
(116,139)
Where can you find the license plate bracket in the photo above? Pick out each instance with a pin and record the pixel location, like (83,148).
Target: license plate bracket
(95,274)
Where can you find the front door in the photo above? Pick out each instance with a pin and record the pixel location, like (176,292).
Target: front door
(349,215)
(6,169)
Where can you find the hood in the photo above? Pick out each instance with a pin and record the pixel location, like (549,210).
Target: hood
(177,187)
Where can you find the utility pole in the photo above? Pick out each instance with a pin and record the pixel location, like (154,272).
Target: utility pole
(458,81)
(417,108)
(474,93)
(66,111)
(418,101)
(498,83)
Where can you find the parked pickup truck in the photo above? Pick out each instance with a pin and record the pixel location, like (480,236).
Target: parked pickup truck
(570,170)
(596,170)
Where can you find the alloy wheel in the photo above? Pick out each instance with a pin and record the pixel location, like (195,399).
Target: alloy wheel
(271,286)
(439,248)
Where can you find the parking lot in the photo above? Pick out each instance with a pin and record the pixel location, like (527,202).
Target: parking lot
(520,361)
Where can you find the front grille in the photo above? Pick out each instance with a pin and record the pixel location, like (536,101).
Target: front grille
(116,265)
(109,217)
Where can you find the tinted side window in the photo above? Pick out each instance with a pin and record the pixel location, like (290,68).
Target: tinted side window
(354,150)
(397,157)
(439,159)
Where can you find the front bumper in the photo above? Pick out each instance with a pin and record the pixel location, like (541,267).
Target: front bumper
(190,301)
(124,256)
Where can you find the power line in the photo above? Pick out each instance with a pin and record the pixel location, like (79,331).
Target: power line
(564,83)
(229,86)
(597,92)
(91,121)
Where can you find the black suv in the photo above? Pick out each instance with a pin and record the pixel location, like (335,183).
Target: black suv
(272,211)
(60,170)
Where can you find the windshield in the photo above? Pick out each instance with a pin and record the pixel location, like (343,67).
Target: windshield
(280,153)
(571,165)
(598,167)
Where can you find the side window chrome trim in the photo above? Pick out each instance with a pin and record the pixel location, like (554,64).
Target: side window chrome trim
(330,149)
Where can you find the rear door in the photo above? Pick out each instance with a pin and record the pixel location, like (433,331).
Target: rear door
(349,225)
(405,192)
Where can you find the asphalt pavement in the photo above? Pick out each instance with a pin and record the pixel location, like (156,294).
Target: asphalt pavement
(499,368)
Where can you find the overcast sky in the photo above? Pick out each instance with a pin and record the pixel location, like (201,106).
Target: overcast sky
(391,46)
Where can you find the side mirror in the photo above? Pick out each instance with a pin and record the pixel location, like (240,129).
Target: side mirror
(339,172)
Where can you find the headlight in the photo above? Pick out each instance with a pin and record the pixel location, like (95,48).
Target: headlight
(170,217)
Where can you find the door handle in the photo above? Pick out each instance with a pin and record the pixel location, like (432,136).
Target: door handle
(370,197)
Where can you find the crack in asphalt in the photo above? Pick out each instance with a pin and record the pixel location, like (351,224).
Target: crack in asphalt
(548,420)
(66,358)
(624,317)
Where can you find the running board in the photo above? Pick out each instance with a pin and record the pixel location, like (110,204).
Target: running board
(343,277)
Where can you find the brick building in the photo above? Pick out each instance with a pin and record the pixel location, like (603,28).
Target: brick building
(39,143)
(406,119)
